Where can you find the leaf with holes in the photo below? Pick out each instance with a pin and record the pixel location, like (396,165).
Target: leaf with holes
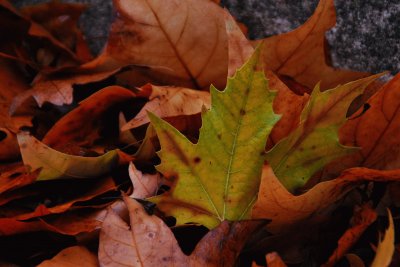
(217,179)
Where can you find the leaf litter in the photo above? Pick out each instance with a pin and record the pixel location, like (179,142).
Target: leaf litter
(140,157)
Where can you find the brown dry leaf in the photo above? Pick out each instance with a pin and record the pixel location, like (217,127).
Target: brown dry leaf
(29,42)
(287,104)
(165,101)
(99,188)
(183,43)
(59,90)
(363,217)
(287,210)
(149,242)
(72,257)
(240,49)
(376,132)
(12,83)
(61,20)
(14,178)
(144,185)
(300,54)
(81,125)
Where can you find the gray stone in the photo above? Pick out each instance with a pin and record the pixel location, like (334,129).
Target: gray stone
(366,38)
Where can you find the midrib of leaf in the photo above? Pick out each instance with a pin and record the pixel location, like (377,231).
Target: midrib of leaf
(173,46)
(233,150)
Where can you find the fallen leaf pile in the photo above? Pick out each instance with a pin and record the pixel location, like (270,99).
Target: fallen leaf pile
(183,143)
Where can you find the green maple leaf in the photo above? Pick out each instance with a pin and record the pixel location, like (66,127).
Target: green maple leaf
(315,142)
(217,179)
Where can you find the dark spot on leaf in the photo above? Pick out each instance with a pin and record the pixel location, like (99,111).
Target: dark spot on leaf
(23,146)
(197,160)
(219,136)
(150,235)
(242,112)
(263,153)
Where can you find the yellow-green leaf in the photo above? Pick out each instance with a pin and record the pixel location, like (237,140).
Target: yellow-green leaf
(315,142)
(54,164)
(218,178)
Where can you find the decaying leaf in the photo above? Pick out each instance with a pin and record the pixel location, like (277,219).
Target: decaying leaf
(286,210)
(314,143)
(66,29)
(59,91)
(232,137)
(149,242)
(72,257)
(182,43)
(81,125)
(54,164)
(385,249)
(144,185)
(363,217)
(300,54)
(11,85)
(167,101)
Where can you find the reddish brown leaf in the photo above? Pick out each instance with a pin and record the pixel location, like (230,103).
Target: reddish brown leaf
(286,210)
(363,217)
(81,125)
(375,132)
(300,54)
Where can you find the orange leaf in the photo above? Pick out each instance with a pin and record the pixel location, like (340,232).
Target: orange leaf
(300,54)
(183,43)
(284,209)
(376,132)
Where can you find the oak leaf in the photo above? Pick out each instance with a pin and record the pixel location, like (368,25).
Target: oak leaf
(232,138)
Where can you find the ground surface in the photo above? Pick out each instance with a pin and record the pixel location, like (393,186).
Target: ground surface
(367,36)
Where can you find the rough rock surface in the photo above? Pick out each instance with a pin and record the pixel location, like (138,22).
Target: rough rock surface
(366,38)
